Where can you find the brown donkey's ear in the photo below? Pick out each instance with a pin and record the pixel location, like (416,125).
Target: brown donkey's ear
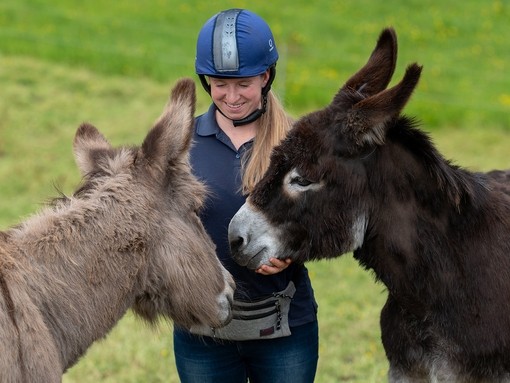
(170,137)
(366,122)
(377,72)
(88,144)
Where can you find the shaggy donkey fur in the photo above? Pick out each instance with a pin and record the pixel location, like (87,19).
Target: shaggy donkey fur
(128,237)
(359,177)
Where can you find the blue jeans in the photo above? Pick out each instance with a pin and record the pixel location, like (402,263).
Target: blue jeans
(291,359)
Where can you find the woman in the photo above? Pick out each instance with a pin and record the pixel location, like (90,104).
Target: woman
(236,60)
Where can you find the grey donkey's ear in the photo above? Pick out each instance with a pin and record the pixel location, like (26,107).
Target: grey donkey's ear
(88,144)
(170,137)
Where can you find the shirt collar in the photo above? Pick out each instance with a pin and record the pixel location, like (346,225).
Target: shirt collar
(208,126)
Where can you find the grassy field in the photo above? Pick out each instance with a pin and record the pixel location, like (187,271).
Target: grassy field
(113,63)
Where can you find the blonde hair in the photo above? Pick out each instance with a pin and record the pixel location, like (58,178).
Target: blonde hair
(273,127)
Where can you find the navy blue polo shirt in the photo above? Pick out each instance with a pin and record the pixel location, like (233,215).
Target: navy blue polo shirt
(217,163)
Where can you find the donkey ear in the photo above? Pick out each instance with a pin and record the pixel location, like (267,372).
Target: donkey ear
(170,138)
(377,72)
(366,122)
(88,143)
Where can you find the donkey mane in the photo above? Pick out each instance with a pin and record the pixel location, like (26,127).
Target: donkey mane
(89,183)
(461,187)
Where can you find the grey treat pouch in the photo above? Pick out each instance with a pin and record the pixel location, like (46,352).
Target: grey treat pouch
(262,319)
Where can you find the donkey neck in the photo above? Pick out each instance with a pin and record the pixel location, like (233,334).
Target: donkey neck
(88,283)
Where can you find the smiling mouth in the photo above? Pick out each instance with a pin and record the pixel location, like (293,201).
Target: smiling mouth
(234,109)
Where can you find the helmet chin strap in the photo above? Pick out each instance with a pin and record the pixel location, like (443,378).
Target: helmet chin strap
(255,115)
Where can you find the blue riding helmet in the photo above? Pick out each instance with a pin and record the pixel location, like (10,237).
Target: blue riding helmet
(236,43)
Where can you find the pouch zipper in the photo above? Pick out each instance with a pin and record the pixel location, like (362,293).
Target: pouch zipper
(255,316)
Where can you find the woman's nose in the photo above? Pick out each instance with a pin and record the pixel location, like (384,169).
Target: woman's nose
(231,94)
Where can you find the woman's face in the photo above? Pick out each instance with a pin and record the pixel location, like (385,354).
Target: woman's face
(238,97)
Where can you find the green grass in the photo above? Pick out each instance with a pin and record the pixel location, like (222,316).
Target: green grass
(113,63)
(463,45)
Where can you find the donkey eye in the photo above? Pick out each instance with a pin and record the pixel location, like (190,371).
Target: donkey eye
(294,183)
(300,181)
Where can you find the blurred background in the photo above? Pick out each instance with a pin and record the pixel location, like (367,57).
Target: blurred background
(63,62)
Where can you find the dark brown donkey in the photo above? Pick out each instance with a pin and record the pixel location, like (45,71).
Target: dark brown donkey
(359,177)
(129,237)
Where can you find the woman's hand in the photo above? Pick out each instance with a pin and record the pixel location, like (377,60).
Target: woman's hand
(277,266)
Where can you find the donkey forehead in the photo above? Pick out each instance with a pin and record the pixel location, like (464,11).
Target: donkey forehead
(114,161)
(305,149)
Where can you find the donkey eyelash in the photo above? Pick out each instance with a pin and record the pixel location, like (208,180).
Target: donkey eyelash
(300,181)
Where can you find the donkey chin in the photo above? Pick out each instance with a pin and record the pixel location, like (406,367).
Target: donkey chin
(226,300)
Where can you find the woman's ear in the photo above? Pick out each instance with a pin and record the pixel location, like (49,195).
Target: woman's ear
(265,78)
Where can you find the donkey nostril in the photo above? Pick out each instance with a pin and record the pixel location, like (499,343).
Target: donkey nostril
(236,243)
